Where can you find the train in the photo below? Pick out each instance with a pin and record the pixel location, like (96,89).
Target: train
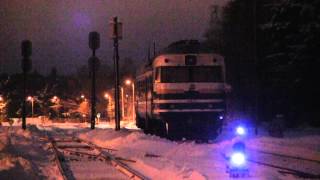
(180,92)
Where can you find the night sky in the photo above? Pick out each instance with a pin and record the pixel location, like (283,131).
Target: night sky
(59,29)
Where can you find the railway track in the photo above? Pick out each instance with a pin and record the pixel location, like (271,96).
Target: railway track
(285,164)
(78,159)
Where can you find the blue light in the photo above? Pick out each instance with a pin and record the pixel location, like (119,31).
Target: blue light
(238,159)
(220,117)
(240,130)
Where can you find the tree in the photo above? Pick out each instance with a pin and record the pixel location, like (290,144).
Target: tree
(270,49)
(231,32)
(214,32)
(295,32)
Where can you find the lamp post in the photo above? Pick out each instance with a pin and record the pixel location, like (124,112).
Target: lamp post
(129,82)
(107,97)
(31,99)
(2,106)
(122,103)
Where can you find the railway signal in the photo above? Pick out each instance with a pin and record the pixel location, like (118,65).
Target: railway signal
(26,64)
(237,165)
(94,44)
(240,130)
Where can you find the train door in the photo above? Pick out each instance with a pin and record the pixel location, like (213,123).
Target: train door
(149,96)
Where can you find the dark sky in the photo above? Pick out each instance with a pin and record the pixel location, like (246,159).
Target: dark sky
(59,29)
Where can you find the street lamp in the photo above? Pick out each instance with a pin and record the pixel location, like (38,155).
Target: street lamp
(106,96)
(55,99)
(82,96)
(2,103)
(128,83)
(122,103)
(31,99)
(2,106)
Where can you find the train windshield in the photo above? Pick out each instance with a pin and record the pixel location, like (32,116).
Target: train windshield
(176,74)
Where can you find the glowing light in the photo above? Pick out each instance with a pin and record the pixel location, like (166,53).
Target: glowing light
(1,98)
(128,82)
(238,159)
(240,130)
(82,96)
(106,95)
(30,98)
(220,117)
(55,98)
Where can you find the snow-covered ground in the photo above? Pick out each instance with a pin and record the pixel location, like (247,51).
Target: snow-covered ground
(25,155)
(155,157)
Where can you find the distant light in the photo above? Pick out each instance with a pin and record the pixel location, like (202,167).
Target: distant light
(55,98)
(238,159)
(29,98)
(240,130)
(106,95)
(82,96)
(220,117)
(128,82)
(1,98)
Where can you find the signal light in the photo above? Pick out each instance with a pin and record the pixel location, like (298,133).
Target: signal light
(238,159)
(240,130)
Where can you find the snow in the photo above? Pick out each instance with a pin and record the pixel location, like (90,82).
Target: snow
(24,156)
(155,157)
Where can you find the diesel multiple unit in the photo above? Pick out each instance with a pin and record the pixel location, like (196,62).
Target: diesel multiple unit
(181,92)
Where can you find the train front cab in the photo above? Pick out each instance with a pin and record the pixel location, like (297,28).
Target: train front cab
(187,99)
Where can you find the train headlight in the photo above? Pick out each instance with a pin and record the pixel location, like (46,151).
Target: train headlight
(240,130)
(238,159)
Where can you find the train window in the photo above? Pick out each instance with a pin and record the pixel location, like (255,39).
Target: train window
(173,74)
(157,75)
(207,74)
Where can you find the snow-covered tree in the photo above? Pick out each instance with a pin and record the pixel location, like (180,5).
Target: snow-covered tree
(83,108)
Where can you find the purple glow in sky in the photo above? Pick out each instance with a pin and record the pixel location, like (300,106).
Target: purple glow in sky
(81,20)
(59,29)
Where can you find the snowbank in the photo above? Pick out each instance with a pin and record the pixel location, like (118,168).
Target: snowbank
(24,156)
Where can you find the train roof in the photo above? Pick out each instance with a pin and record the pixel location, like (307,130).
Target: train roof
(187,47)
(180,47)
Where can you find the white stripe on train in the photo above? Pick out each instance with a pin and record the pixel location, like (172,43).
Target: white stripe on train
(187,110)
(188,101)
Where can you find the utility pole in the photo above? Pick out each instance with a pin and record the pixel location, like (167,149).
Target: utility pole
(256,64)
(116,34)
(94,44)
(26,51)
